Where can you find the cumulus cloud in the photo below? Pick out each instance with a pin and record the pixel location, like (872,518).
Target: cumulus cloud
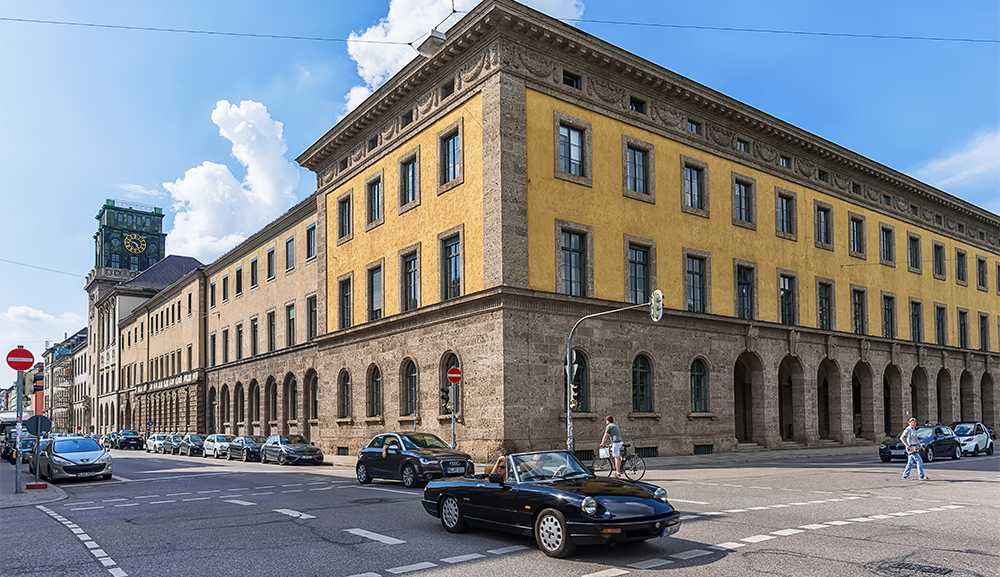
(971,172)
(410,20)
(214,210)
(28,324)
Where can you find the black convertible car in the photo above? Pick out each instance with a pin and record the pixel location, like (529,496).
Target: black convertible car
(551,495)
(936,441)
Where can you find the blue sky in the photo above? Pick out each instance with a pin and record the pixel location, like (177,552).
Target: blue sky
(88,114)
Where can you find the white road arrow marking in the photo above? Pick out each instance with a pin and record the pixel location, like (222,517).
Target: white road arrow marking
(292,513)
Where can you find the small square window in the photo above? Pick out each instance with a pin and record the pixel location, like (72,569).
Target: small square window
(572,80)
(694,127)
(982,235)
(784,161)
(914,210)
(856,189)
(447,89)
(407,118)
(961,227)
(636,105)
(886,200)
(823,176)
(937,219)
(343,164)
(373,143)
(742,145)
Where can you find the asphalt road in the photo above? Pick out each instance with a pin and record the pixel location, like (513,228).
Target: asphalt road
(169,516)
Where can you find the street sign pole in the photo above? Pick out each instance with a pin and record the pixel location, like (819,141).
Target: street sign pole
(17,445)
(454,378)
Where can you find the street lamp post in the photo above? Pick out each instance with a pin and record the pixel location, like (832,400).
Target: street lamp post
(655,305)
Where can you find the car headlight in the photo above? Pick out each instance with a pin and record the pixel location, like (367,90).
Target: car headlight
(61,461)
(660,495)
(589,506)
(882,446)
(105,458)
(425,461)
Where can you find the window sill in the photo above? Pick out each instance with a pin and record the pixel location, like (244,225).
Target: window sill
(374,421)
(633,416)
(411,419)
(446,417)
(313,422)
(310,259)
(701,415)
(345,421)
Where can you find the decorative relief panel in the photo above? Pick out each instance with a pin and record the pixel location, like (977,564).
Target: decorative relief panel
(866,347)
(752,334)
(872,193)
(805,168)
(840,181)
(793,342)
(831,346)
(607,92)
(765,152)
(895,354)
(667,115)
(487,61)
(426,103)
(720,135)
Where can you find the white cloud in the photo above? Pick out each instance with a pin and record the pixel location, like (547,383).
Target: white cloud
(971,172)
(30,325)
(137,190)
(410,20)
(214,210)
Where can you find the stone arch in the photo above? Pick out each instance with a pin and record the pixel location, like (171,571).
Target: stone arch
(945,398)
(863,403)
(987,394)
(409,388)
(792,401)
(239,409)
(921,401)
(832,412)
(225,411)
(310,404)
(213,408)
(894,415)
(270,416)
(748,399)
(289,402)
(968,403)
(254,415)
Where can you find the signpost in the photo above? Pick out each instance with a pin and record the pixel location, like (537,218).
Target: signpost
(454,377)
(19,359)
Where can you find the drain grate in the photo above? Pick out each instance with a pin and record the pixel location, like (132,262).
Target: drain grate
(922,568)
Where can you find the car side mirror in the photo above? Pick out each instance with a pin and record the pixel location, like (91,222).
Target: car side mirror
(496,478)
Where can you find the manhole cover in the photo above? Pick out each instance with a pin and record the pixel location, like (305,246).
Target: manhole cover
(922,568)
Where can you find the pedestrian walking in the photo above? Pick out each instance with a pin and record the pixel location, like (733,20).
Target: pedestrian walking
(613,435)
(912,444)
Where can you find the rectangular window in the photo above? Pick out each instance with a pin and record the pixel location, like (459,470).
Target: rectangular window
(694,127)
(916,322)
(239,342)
(212,347)
(346,307)
(981,280)
(254,337)
(447,89)
(786,298)
(290,325)
(570,150)
(941,325)
(290,253)
(913,252)
(211,295)
(984,332)
(888,317)
(784,161)
(886,200)
(452,268)
(786,214)
(742,145)
(961,267)
(963,329)
(572,80)
(411,282)
(372,143)
(271,265)
(825,306)
(225,288)
(408,182)
(858,314)
(313,317)
(636,105)
(253,274)
(310,241)
(573,251)
(407,118)
(939,260)
(693,187)
(375,201)
(887,244)
(638,273)
(450,158)
(823,176)
(856,188)
(272,332)
(239,281)
(857,236)
(225,346)
(344,217)
(696,284)
(375,293)
(744,292)
(133,263)
(115,261)
(741,200)
(637,167)
(823,225)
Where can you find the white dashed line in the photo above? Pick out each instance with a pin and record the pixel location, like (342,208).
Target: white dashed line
(129,505)
(86,508)
(414,567)
(238,502)
(89,543)
(505,550)
(838,523)
(787,532)
(292,485)
(177,494)
(197,499)
(212,491)
(264,493)
(650,563)
(607,573)
(161,502)
(814,526)
(727,546)
(148,497)
(758,538)
(462,558)
(113,500)
(293,491)
(691,554)
(292,513)
(374,536)
(735,511)
(694,502)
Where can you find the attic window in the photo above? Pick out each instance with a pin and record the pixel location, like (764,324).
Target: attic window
(886,200)
(938,219)
(343,164)
(823,176)
(914,210)
(637,105)
(961,227)
(856,189)
(407,117)
(373,143)
(572,80)
(742,145)
(448,89)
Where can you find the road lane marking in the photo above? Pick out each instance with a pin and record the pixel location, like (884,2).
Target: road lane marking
(779,506)
(787,532)
(463,558)
(880,516)
(837,523)
(814,526)
(292,485)
(264,493)
(411,493)
(757,508)
(160,502)
(123,479)
(758,538)
(197,499)
(240,489)
(887,497)
(84,537)
(293,491)
(112,500)
(374,536)
(147,497)
(686,517)
(728,485)
(86,508)
(212,491)
(86,502)
(505,550)
(735,511)
(90,545)
(177,494)
(691,554)
(414,567)
(607,573)
(369,574)
(695,502)
(712,484)
(117,572)
(293,513)
(265,487)
(729,546)
(860,519)
(650,563)
(129,505)
(322,488)
(756,487)
(238,502)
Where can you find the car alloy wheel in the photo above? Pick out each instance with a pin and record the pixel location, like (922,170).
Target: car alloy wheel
(410,477)
(451,517)
(958,452)
(263,457)
(204,454)
(246,456)
(551,534)
(975,451)
(930,454)
(363,477)
(282,459)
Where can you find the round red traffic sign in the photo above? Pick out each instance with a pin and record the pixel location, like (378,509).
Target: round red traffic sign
(454,375)
(20,359)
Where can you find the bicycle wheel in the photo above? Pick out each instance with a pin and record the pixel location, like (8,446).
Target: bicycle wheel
(602,466)
(634,467)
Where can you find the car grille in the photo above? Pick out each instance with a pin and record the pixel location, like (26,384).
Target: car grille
(90,468)
(454,463)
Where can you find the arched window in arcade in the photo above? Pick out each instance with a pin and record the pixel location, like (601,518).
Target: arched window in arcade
(699,387)
(274,402)
(409,389)
(294,400)
(314,398)
(642,386)
(374,392)
(344,411)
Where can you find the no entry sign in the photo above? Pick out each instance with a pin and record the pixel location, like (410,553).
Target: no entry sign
(454,375)
(20,359)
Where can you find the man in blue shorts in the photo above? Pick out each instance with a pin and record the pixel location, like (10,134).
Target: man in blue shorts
(613,435)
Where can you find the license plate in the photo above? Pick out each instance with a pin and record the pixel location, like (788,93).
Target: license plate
(455,470)
(897,452)
(86,474)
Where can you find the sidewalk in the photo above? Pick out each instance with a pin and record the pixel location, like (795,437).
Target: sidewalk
(29,497)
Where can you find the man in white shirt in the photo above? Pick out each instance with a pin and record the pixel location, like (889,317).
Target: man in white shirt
(912,444)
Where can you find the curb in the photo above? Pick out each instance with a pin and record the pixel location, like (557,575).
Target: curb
(27,499)
(770,457)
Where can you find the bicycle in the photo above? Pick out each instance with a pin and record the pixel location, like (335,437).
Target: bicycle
(633,466)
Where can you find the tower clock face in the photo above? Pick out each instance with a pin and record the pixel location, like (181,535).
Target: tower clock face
(135,243)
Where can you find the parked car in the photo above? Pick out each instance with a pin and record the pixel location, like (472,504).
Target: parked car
(290,449)
(171,444)
(246,448)
(155,442)
(10,451)
(974,436)
(554,497)
(412,458)
(216,445)
(72,457)
(128,440)
(109,440)
(936,441)
(191,445)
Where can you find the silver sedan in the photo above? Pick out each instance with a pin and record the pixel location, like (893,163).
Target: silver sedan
(71,458)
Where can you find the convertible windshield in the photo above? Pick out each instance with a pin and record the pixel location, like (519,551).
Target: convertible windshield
(424,441)
(79,445)
(965,429)
(548,466)
(295,440)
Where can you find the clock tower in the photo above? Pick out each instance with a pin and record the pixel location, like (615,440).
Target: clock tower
(129,236)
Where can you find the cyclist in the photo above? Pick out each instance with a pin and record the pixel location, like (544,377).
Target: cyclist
(613,435)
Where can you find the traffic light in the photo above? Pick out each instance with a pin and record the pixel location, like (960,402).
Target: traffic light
(656,305)
(446,397)
(577,391)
